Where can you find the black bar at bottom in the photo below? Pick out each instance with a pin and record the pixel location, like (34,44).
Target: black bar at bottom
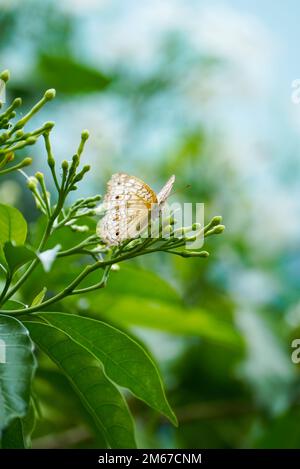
(148,458)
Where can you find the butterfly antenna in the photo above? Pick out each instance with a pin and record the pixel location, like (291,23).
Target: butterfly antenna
(182,189)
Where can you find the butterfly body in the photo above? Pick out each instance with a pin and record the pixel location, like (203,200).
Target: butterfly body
(128,202)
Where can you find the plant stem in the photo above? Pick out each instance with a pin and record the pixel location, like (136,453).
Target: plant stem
(20,124)
(12,168)
(96,286)
(65,292)
(147,247)
(90,241)
(69,290)
(6,287)
(33,264)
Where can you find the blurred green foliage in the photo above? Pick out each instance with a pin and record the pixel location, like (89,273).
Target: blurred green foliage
(221,329)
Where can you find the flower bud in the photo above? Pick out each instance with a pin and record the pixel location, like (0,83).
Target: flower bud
(216,220)
(216,230)
(4,137)
(39,176)
(19,133)
(26,162)
(78,202)
(80,229)
(16,103)
(90,204)
(213,222)
(49,125)
(94,199)
(32,183)
(75,160)
(50,94)
(134,243)
(85,134)
(65,165)
(194,254)
(86,168)
(31,140)
(80,175)
(5,75)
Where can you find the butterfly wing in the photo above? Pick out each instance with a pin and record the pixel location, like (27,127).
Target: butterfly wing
(127,202)
(165,191)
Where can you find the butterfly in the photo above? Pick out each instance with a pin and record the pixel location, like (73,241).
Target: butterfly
(128,203)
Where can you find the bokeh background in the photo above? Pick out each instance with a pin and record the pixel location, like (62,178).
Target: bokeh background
(201,89)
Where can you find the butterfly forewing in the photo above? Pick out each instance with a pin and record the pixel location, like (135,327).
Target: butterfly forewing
(165,191)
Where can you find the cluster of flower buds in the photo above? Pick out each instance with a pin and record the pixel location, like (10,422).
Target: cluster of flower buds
(70,175)
(79,210)
(13,136)
(165,237)
(36,184)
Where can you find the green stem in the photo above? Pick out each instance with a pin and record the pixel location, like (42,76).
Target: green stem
(69,289)
(51,160)
(17,146)
(12,168)
(45,197)
(46,235)
(20,124)
(41,201)
(65,292)
(15,104)
(32,266)
(4,161)
(96,286)
(6,287)
(90,241)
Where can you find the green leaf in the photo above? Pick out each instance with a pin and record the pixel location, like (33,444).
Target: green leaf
(53,391)
(13,437)
(18,433)
(141,283)
(3,263)
(13,226)
(39,297)
(17,367)
(283,431)
(73,76)
(16,256)
(132,311)
(11,305)
(125,361)
(28,424)
(101,398)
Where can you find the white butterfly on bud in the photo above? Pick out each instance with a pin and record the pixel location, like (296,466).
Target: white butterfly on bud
(128,203)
